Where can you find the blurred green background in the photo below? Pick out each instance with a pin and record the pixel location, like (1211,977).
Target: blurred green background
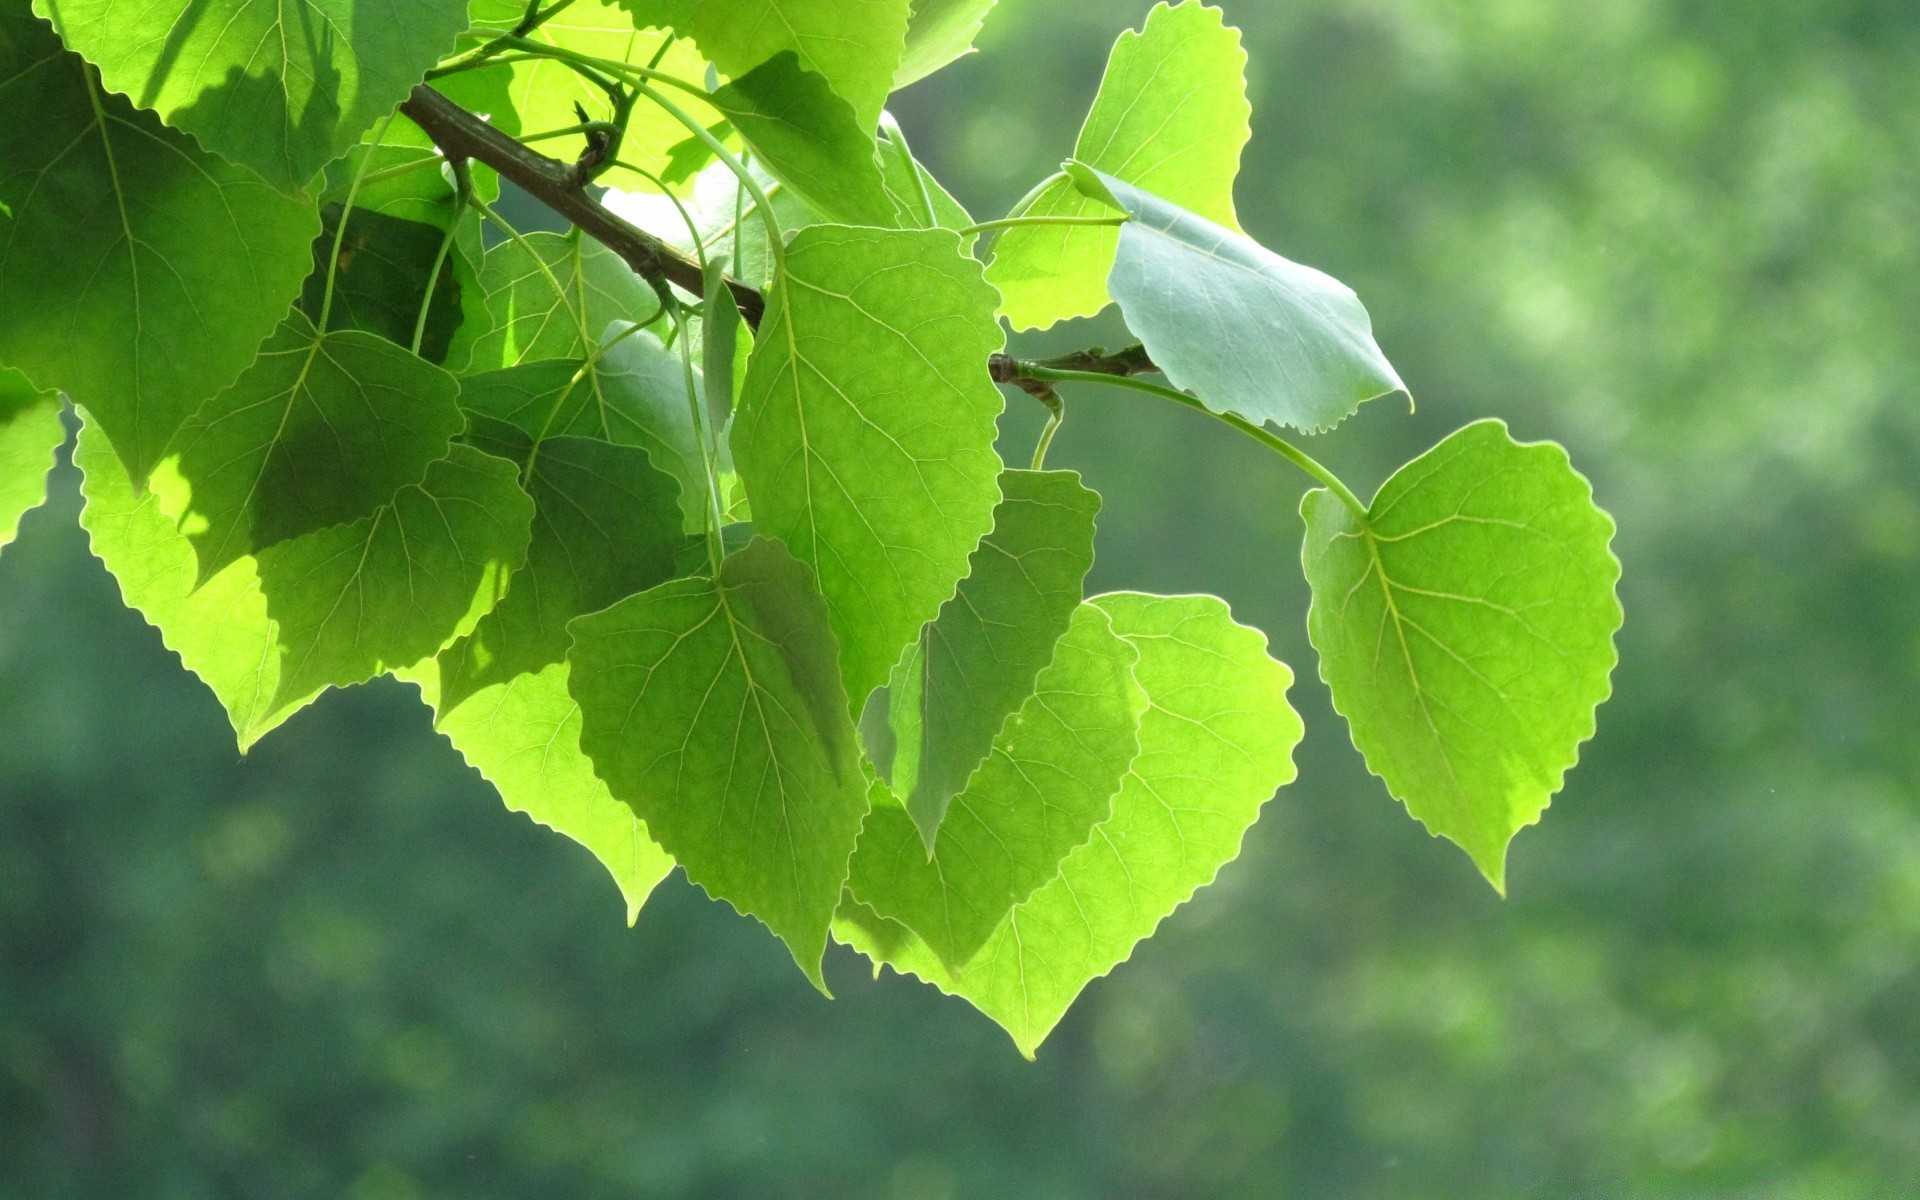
(1683,238)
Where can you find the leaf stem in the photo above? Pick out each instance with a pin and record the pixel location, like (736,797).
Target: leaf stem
(897,142)
(1023,222)
(1056,416)
(346,213)
(1265,437)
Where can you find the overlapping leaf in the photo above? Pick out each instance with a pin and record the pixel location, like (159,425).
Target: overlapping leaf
(1171,117)
(939,32)
(1050,778)
(1216,740)
(808,138)
(715,709)
(552,295)
(30,433)
(1465,626)
(321,430)
(138,274)
(1246,330)
(865,432)
(975,665)
(283,88)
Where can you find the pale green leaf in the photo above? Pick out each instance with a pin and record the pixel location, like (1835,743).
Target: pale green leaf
(1216,741)
(1242,328)
(606,524)
(807,137)
(523,736)
(138,274)
(866,429)
(975,665)
(1171,117)
(533,320)
(321,430)
(1465,626)
(283,88)
(939,32)
(30,433)
(855,44)
(714,708)
(1051,777)
(356,601)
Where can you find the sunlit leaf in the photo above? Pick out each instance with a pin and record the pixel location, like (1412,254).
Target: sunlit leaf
(30,433)
(940,32)
(807,137)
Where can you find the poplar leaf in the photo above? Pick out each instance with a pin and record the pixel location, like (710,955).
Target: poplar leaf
(865,433)
(138,273)
(1050,778)
(940,32)
(807,138)
(1465,626)
(714,709)
(1171,118)
(532,320)
(30,435)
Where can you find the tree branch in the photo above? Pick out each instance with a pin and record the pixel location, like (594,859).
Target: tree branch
(461,134)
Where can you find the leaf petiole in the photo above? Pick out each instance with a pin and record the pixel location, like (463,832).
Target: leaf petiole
(1029,222)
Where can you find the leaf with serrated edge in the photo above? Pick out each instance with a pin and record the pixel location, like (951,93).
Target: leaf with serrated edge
(30,434)
(1216,741)
(866,429)
(975,665)
(138,274)
(606,524)
(1242,328)
(940,32)
(714,708)
(356,601)
(1051,777)
(531,321)
(319,431)
(283,88)
(1171,117)
(807,137)
(523,736)
(1465,627)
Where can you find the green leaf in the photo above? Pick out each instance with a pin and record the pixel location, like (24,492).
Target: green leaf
(975,665)
(1050,778)
(912,188)
(1465,626)
(532,320)
(940,32)
(1216,741)
(855,44)
(1171,118)
(606,524)
(545,91)
(807,137)
(356,601)
(30,435)
(633,394)
(283,88)
(137,273)
(386,267)
(714,708)
(523,736)
(722,345)
(1242,328)
(220,629)
(321,430)
(866,429)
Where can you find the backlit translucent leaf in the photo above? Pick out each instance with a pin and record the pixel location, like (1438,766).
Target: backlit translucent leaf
(865,433)
(524,737)
(1216,740)
(855,44)
(532,320)
(1465,627)
(920,200)
(1171,117)
(606,524)
(714,708)
(1244,329)
(634,394)
(137,273)
(1050,778)
(30,432)
(321,430)
(356,601)
(544,92)
(282,87)
(807,137)
(975,665)
(940,32)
